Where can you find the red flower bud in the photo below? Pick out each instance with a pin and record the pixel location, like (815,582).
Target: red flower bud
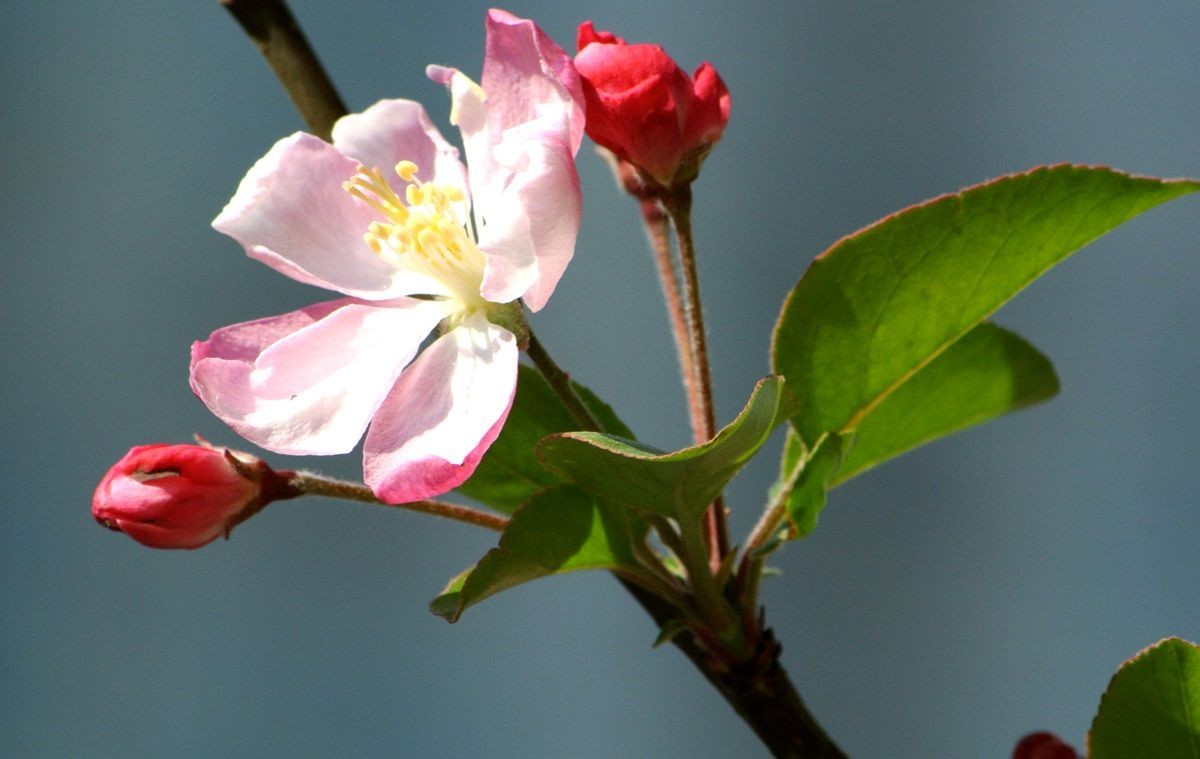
(645,109)
(1043,746)
(184,496)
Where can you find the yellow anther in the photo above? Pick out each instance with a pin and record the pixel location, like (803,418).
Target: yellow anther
(430,241)
(407,171)
(420,227)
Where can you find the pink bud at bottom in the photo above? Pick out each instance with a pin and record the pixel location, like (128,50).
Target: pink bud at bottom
(184,496)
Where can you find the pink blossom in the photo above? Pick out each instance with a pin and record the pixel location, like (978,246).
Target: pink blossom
(184,496)
(387,212)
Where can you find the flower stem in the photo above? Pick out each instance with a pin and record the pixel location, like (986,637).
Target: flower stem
(750,571)
(678,203)
(311,483)
(560,383)
(715,609)
(278,37)
(771,519)
(658,232)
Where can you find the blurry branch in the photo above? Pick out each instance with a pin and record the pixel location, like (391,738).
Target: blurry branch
(278,37)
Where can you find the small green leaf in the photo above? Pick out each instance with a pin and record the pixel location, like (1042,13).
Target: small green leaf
(806,475)
(882,303)
(987,372)
(509,473)
(1152,706)
(559,530)
(678,485)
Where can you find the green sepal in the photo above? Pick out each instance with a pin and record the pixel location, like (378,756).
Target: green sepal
(511,316)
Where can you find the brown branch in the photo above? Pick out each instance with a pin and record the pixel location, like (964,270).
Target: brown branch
(278,37)
(759,689)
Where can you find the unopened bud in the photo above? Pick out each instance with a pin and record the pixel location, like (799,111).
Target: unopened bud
(648,111)
(184,496)
(1043,746)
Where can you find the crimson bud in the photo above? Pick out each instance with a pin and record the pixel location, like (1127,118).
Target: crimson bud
(647,110)
(1043,746)
(184,496)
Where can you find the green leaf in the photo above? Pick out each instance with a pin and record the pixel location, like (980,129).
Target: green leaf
(678,485)
(987,372)
(559,530)
(805,478)
(882,303)
(1152,706)
(509,473)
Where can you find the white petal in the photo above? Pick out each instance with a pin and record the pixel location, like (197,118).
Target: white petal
(468,111)
(308,382)
(291,213)
(531,223)
(443,413)
(399,130)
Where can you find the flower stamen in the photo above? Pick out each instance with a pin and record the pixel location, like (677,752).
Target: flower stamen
(423,230)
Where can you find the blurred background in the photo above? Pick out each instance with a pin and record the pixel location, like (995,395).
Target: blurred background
(951,601)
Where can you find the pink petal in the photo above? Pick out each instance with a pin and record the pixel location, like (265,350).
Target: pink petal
(399,130)
(309,381)
(587,34)
(443,413)
(710,106)
(291,213)
(520,143)
(525,74)
(530,225)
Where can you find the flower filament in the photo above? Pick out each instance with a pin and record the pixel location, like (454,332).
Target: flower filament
(423,231)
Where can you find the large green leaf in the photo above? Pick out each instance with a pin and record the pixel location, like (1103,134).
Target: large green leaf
(885,301)
(678,485)
(987,372)
(509,473)
(1152,706)
(559,530)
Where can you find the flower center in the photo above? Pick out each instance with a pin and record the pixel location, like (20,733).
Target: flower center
(426,230)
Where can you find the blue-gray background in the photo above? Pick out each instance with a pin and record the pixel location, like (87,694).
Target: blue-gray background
(951,601)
